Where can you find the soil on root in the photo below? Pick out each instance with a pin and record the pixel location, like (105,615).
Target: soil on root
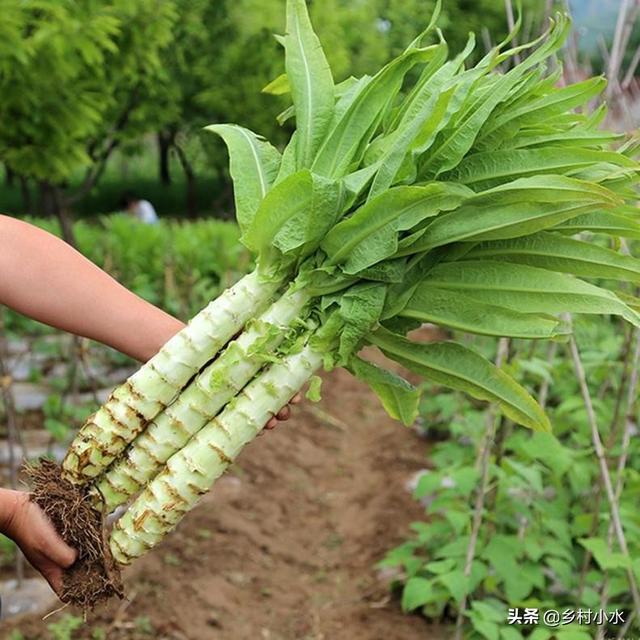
(285,546)
(94,578)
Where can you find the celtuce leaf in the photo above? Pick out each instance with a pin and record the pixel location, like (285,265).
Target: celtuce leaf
(346,142)
(558,253)
(519,208)
(527,289)
(608,223)
(399,398)
(371,234)
(484,170)
(310,80)
(291,197)
(254,165)
(455,366)
(457,311)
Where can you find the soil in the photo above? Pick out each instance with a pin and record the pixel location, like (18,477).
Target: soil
(285,546)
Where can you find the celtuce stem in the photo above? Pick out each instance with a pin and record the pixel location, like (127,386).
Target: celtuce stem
(155,385)
(192,471)
(200,402)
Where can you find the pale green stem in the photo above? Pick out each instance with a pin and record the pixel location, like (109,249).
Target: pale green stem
(192,471)
(156,385)
(200,401)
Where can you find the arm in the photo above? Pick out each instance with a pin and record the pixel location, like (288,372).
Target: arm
(44,278)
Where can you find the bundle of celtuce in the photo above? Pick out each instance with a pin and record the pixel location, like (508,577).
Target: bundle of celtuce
(434,191)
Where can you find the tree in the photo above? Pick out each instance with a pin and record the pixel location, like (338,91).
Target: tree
(75,85)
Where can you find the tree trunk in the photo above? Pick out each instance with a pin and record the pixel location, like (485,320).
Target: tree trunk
(165,140)
(48,202)
(9,176)
(192,193)
(27,202)
(52,205)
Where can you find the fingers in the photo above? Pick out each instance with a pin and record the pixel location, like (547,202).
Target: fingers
(47,539)
(53,575)
(284,413)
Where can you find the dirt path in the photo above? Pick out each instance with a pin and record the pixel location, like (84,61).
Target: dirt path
(284,548)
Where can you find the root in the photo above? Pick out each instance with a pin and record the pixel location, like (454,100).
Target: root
(95,576)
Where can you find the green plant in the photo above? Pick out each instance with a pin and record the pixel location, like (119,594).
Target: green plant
(65,627)
(447,200)
(544,541)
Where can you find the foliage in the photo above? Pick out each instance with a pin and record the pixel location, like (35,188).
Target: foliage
(543,510)
(81,79)
(425,196)
(77,81)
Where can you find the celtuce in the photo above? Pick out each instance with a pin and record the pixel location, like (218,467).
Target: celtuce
(203,398)
(453,201)
(159,382)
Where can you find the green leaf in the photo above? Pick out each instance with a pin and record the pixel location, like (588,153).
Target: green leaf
(289,198)
(360,308)
(399,398)
(305,229)
(457,584)
(451,309)
(455,366)
(345,143)
(416,593)
(558,101)
(527,289)
(488,630)
(371,233)
(314,392)
(496,167)
(559,253)
(605,222)
(522,207)
(510,633)
(606,558)
(254,165)
(278,87)
(311,82)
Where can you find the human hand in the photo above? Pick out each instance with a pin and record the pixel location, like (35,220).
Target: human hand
(25,523)
(284,414)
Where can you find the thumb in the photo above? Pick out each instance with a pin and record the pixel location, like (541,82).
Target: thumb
(61,553)
(51,544)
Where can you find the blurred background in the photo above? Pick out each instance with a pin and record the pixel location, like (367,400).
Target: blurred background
(101,98)
(344,525)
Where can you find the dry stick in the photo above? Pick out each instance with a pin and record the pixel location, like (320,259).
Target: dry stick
(622,634)
(586,561)
(512,23)
(13,432)
(615,61)
(604,50)
(543,392)
(604,469)
(483,464)
(547,12)
(624,456)
(626,371)
(631,71)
